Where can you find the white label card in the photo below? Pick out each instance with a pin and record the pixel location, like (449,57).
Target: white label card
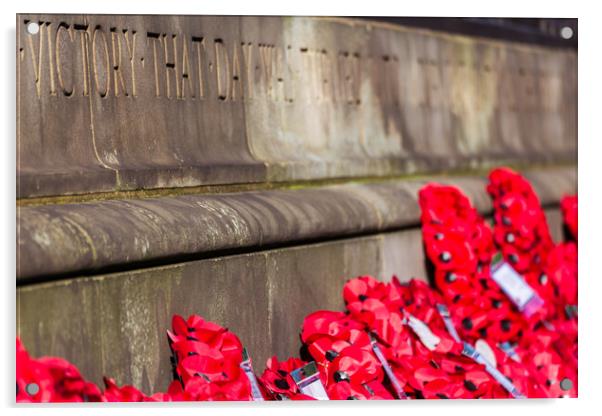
(513,285)
(308,380)
(485,350)
(425,334)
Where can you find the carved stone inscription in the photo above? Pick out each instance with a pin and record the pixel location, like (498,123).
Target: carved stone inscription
(123,102)
(110,62)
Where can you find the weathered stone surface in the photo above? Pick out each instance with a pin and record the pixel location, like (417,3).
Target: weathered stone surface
(114,324)
(109,103)
(310,278)
(58,239)
(554,219)
(403,254)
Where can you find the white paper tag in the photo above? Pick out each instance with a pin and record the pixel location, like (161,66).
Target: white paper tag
(247,367)
(515,287)
(485,350)
(388,370)
(308,380)
(471,352)
(425,334)
(447,321)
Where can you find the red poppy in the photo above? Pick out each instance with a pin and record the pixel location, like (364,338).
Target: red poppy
(355,365)
(568,205)
(561,270)
(347,391)
(51,379)
(443,204)
(331,323)
(113,393)
(68,384)
(452,252)
(276,377)
(362,288)
(34,382)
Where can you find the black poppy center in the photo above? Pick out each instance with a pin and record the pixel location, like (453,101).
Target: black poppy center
(340,376)
(450,277)
(282,384)
(470,386)
(467,323)
(445,256)
(331,355)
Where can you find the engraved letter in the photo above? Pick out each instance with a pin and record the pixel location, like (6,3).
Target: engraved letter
(236,74)
(57,44)
(103,92)
(200,43)
(83,37)
(187,83)
(131,49)
(171,66)
(37,64)
(222,65)
(154,37)
(265,53)
(117,70)
(247,51)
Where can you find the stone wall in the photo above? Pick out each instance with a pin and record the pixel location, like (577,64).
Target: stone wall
(118,103)
(243,168)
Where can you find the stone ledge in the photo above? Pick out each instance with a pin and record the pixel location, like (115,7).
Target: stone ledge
(76,238)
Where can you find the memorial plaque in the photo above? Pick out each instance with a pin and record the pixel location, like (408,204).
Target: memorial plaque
(108,103)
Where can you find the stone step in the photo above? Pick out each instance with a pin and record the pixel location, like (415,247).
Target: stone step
(59,239)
